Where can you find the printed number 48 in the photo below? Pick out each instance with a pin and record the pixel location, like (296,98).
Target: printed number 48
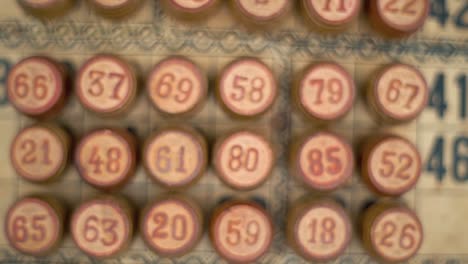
(436,161)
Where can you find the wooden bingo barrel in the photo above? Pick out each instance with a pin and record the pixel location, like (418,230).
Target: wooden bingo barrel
(172,226)
(323,161)
(175,157)
(36,86)
(246,88)
(391,165)
(177,86)
(241,231)
(34,225)
(243,159)
(106,158)
(398,93)
(324,91)
(391,232)
(106,85)
(319,230)
(103,227)
(398,18)
(46,8)
(330,15)
(40,153)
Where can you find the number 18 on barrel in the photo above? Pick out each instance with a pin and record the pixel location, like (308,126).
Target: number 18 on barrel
(319,230)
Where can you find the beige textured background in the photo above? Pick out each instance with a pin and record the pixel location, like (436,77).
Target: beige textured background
(150,35)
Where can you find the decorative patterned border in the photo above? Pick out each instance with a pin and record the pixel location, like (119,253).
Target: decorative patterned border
(71,35)
(74,257)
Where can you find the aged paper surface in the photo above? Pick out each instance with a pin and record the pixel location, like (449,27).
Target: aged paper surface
(440,50)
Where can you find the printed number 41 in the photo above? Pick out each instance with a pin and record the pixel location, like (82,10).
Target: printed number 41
(437,99)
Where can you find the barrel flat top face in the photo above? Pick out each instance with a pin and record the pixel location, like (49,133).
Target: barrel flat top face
(244,159)
(105,84)
(401,92)
(393,165)
(396,234)
(192,5)
(176,86)
(326,91)
(100,228)
(242,232)
(262,10)
(38,154)
(32,226)
(322,231)
(171,227)
(104,158)
(333,12)
(403,15)
(325,161)
(174,157)
(35,85)
(247,87)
